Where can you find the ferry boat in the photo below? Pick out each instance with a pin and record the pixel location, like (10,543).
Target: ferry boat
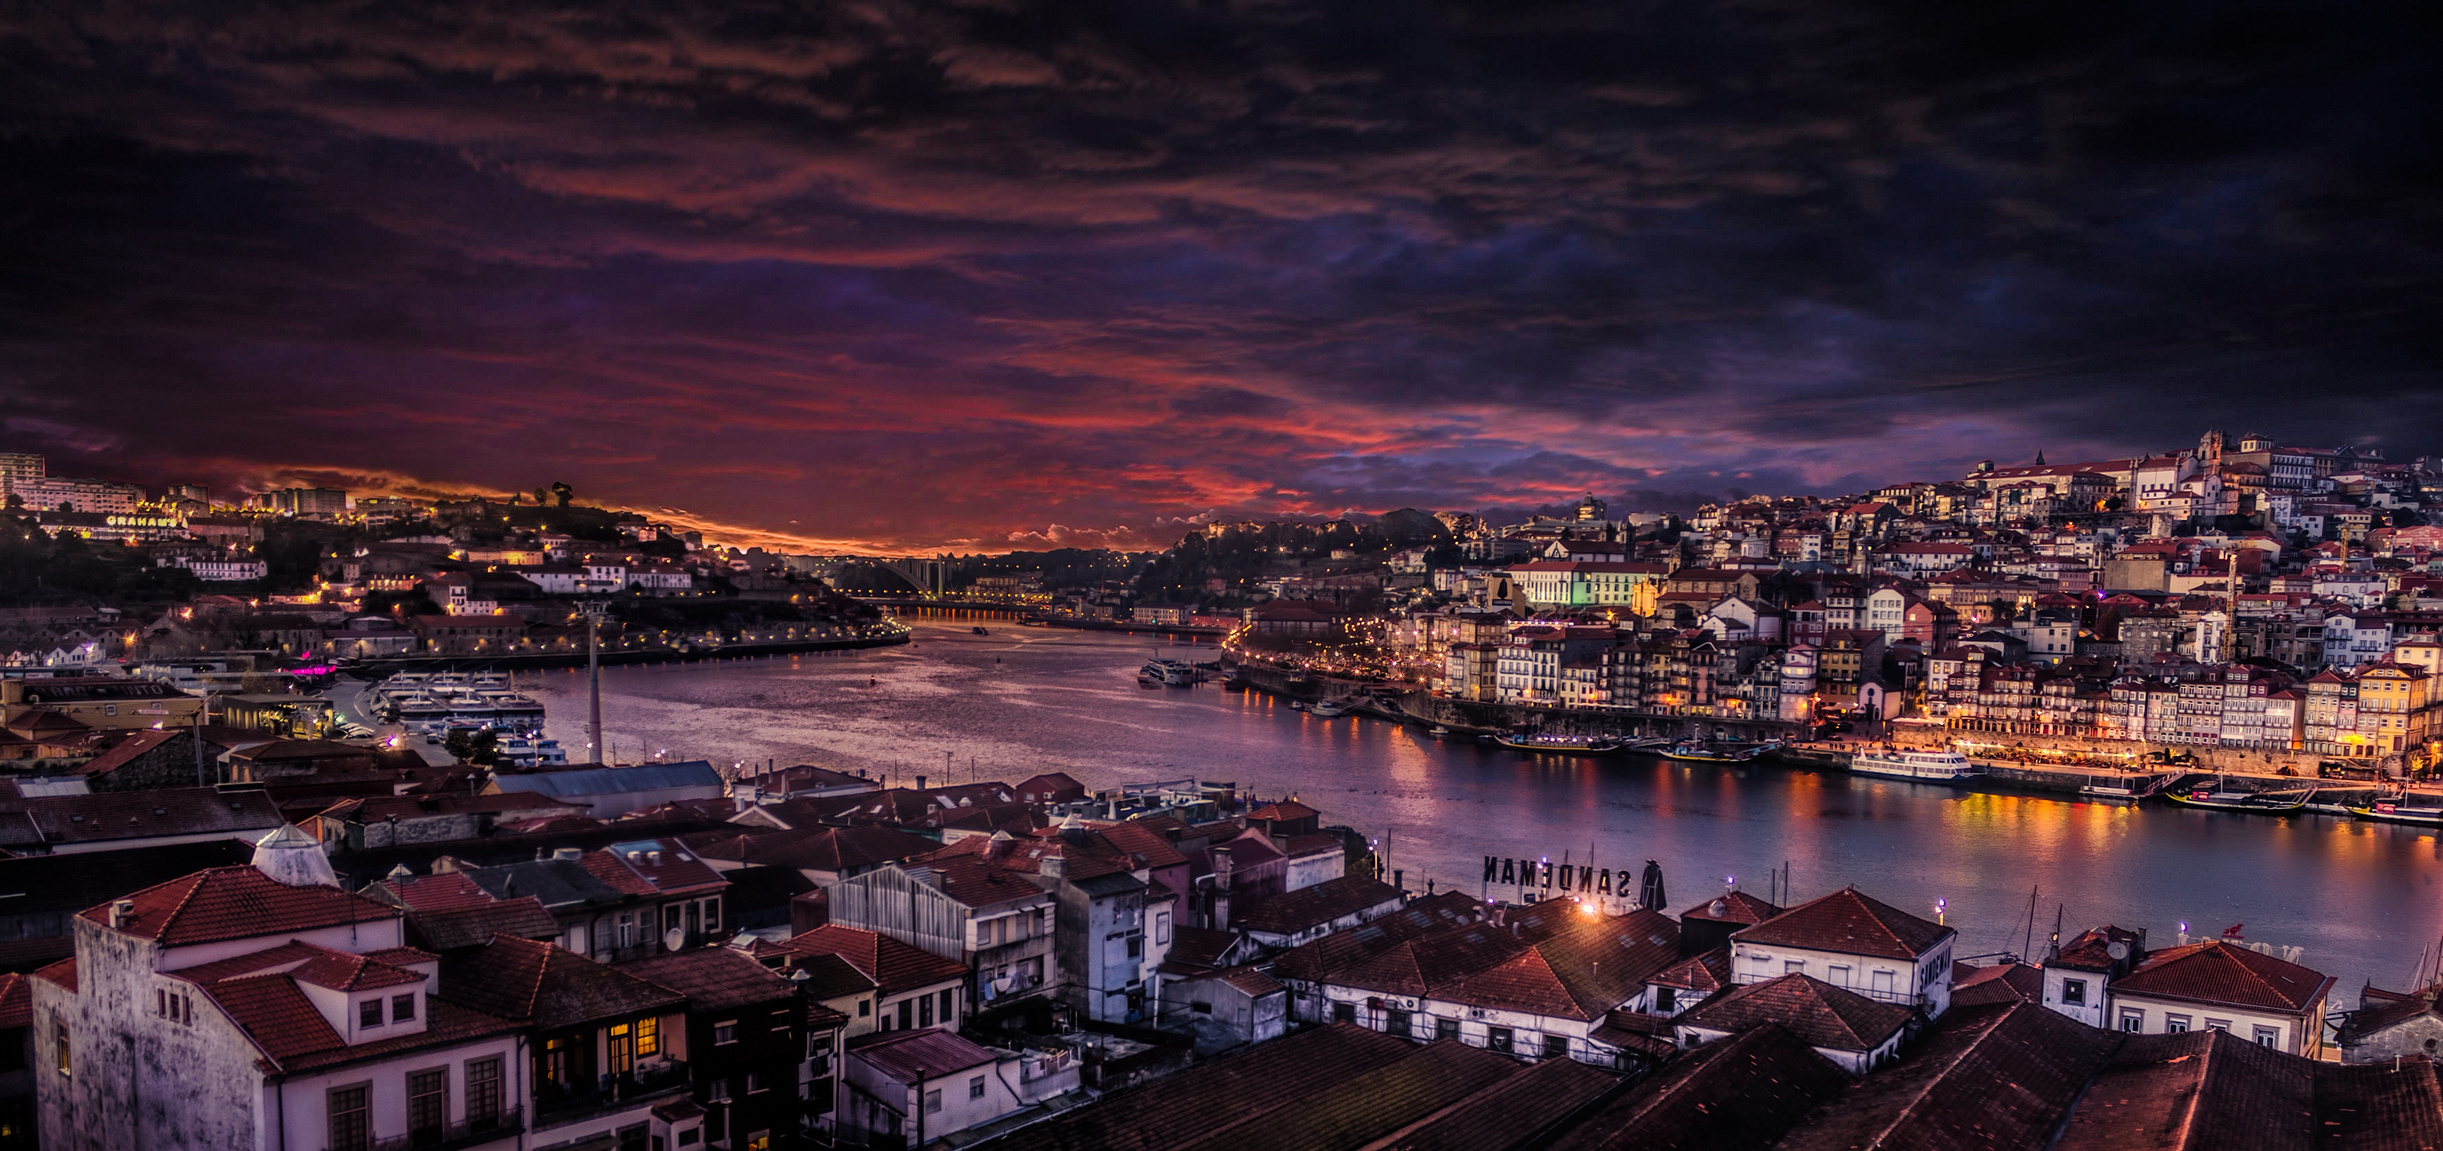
(490,681)
(2106,793)
(1170,672)
(2250,802)
(1935,766)
(2394,811)
(1327,709)
(1561,744)
(1437,731)
(421,714)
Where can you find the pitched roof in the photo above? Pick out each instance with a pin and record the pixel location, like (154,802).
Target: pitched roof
(1703,974)
(78,880)
(1362,1108)
(440,891)
(237,903)
(1991,1076)
(452,928)
(1169,1112)
(927,1052)
(1732,907)
(1513,1112)
(895,966)
(1579,972)
(713,978)
(2217,972)
(1743,1092)
(834,849)
(1849,923)
(1310,907)
(108,815)
(548,986)
(2003,983)
(1827,1017)
(16,1001)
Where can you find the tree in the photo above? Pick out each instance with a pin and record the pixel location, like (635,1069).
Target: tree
(481,748)
(562,492)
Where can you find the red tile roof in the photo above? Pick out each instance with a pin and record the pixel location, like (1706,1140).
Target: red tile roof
(929,1052)
(61,974)
(1998,983)
(1823,1015)
(1987,1077)
(1310,907)
(548,986)
(1849,923)
(1703,974)
(1732,907)
(237,903)
(893,965)
(445,891)
(713,978)
(452,928)
(1743,1092)
(2216,972)
(16,1002)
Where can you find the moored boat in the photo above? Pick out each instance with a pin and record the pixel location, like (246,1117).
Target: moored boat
(1930,766)
(2394,811)
(1327,709)
(2249,802)
(1560,744)
(1437,731)
(1693,752)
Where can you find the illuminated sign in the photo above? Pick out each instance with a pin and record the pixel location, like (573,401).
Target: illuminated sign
(1558,878)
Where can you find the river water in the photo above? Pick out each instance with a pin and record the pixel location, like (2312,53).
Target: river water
(2361,899)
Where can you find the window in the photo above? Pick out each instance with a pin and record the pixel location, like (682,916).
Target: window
(1837,975)
(1665,1000)
(670,918)
(719,1091)
(1446,1029)
(2074,992)
(1556,1046)
(428,1104)
(403,1007)
(2133,1021)
(946,1002)
(1162,927)
(712,914)
(633,1137)
(1136,946)
(688,1137)
(755,1084)
(621,1047)
(1396,1022)
(351,1116)
(2269,1037)
(780,1021)
(725,1032)
(924,1011)
(975,1087)
(369,1013)
(1497,1038)
(907,1014)
(1881,983)
(865,1007)
(1793,966)
(2218,1025)
(649,1036)
(933,1102)
(1200,1007)
(483,1094)
(59,1047)
(2175,1024)
(1344,1013)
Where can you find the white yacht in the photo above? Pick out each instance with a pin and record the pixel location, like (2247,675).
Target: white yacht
(1943,766)
(1174,672)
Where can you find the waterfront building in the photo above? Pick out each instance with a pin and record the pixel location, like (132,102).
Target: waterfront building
(1854,942)
(2218,985)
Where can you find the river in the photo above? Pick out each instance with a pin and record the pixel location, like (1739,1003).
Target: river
(2359,898)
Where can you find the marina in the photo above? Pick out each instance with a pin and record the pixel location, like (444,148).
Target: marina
(2358,894)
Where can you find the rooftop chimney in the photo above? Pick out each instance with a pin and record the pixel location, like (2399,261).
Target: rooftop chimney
(1053,866)
(920,783)
(122,913)
(570,853)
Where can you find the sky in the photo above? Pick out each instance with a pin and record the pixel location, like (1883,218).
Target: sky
(1002,274)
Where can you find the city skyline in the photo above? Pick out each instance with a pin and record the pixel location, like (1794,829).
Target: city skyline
(909,279)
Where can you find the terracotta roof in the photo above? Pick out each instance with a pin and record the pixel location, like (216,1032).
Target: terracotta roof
(1734,907)
(930,1052)
(830,977)
(2216,972)
(2201,1090)
(1199,946)
(109,815)
(1282,811)
(713,978)
(1172,1111)
(1993,1076)
(893,965)
(2003,983)
(650,867)
(1580,972)
(1362,1108)
(1825,1016)
(237,903)
(61,974)
(1703,974)
(969,879)
(1743,1092)
(1510,1113)
(545,985)
(342,971)
(1310,907)
(442,891)
(16,1002)
(1849,923)
(452,928)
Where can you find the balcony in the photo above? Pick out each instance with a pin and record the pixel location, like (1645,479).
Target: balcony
(555,1104)
(471,1132)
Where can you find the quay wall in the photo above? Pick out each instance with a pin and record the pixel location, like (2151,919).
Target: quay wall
(391,665)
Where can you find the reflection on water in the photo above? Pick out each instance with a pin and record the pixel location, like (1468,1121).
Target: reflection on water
(2359,897)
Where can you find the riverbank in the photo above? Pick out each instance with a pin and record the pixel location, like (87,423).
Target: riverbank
(538,661)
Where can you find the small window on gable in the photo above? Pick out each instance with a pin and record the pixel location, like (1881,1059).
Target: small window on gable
(369,1013)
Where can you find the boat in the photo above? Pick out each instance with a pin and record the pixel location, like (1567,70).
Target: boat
(979,631)
(1690,751)
(2250,802)
(2394,811)
(1560,744)
(1437,731)
(1173,672)
(1936,766)
(514,711)
(524,751)
(1327,709)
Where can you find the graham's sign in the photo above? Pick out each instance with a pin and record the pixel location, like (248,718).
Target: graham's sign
(1559,878)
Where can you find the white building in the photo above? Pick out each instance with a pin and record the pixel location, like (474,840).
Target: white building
(53,493)
(1855,943)
(263,1007)
(2214,985)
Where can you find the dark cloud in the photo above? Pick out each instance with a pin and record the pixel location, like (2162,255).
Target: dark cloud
(917,274)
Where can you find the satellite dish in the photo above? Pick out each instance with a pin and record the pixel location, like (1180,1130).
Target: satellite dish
(2117,950)
(674,939)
